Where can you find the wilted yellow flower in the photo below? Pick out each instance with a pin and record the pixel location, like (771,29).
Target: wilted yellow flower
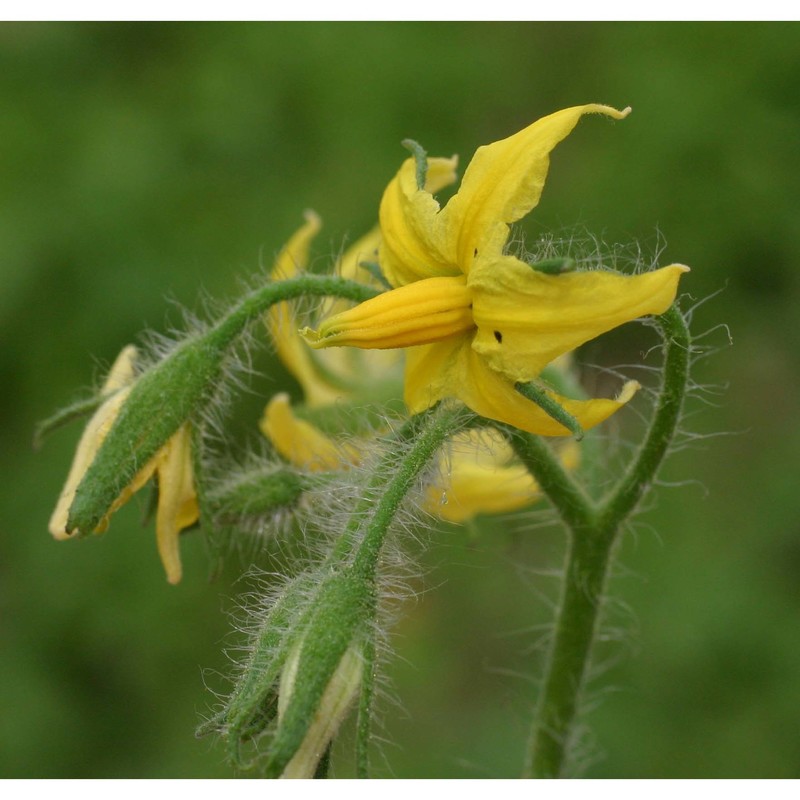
(172,465)
(476,320)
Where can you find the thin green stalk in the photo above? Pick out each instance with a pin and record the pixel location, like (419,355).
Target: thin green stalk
(593,533)
(365,534)
(572,503)
(365,699)
(392,479)
(625,496)
(260,300)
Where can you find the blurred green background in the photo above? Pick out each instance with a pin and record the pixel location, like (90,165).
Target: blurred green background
(144,162)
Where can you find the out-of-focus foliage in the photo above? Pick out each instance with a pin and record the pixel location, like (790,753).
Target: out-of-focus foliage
(144,161)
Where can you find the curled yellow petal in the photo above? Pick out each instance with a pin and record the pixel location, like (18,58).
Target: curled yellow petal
(177,500)
(504,181)
(413,245)
(282,322)
(526,319)
(422,312)
(301,443)
(293,257)
(363,249)
(475,479)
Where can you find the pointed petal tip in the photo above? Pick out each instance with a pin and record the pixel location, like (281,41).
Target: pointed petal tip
(312,218)
(610,111)
(628,391)
(59,531)
(174,578)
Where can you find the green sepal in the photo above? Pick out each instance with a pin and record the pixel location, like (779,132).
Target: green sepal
(252,706)
(554,266)
(374,269)
(421,159)
(551,407)
(81,408)
(161,400)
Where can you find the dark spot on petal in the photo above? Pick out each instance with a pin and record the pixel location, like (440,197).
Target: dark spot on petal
(476,251)
(499,337)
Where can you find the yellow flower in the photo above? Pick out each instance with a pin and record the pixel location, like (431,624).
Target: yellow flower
(477,320)
(477,477)
(172,465)
(326,378)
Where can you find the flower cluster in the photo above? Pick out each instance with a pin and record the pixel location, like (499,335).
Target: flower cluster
(446,355)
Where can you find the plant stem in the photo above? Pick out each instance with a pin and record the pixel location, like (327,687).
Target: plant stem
(593,533)
(261,299)
(411,449)
(587,566)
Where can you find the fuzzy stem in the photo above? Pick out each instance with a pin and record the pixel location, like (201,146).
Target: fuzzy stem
(260,300)
(365,699)
(624,497)
(391,481)
(370,522)
(593,532)
(587,566)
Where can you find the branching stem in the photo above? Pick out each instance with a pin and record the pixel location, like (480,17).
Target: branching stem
(593,532)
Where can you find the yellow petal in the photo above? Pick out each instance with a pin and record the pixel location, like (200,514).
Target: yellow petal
(425,311)
(293,258)
(413,246)
(282,321)
(333,707)
(526,319)
(433,372)
(454,369)
(504,181)
(177,500)
(476,480)
(122,371)
(93,435)
(301,443)
(118,384)
(341,366)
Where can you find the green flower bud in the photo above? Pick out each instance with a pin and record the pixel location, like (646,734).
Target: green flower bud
(158,403)
(304,669)
(332,709)
(322,675)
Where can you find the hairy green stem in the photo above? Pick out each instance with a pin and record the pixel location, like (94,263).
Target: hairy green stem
(261,299)
(370,521)
(593,533)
